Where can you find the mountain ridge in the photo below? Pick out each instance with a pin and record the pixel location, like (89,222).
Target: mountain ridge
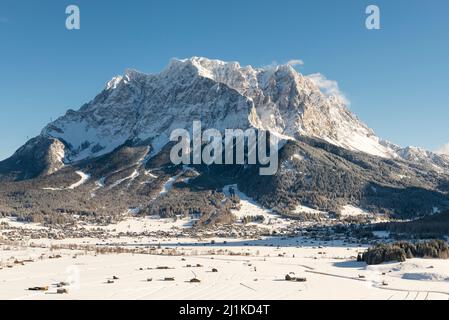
(276,98)
(112,155)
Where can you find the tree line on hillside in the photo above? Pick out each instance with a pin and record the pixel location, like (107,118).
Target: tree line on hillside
(401,251)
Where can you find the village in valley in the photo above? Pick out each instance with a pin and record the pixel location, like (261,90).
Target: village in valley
(154,258)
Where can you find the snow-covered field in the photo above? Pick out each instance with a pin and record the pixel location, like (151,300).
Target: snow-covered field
(16,224)
(249,208)
(349,210)
(255,271)
(250,269)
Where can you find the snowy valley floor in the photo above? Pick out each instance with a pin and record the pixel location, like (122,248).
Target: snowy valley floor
(245,269)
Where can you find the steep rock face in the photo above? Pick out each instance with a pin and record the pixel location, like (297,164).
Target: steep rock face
(417,155)
(39,156)
(291,104)
(146,108)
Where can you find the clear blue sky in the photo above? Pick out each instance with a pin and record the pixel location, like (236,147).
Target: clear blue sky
(397,79)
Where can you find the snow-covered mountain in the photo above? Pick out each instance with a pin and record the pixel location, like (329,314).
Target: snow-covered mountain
(144,108)
(444,150)
(111,154)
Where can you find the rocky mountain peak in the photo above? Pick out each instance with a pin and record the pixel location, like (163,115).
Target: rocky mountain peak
(144,108)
